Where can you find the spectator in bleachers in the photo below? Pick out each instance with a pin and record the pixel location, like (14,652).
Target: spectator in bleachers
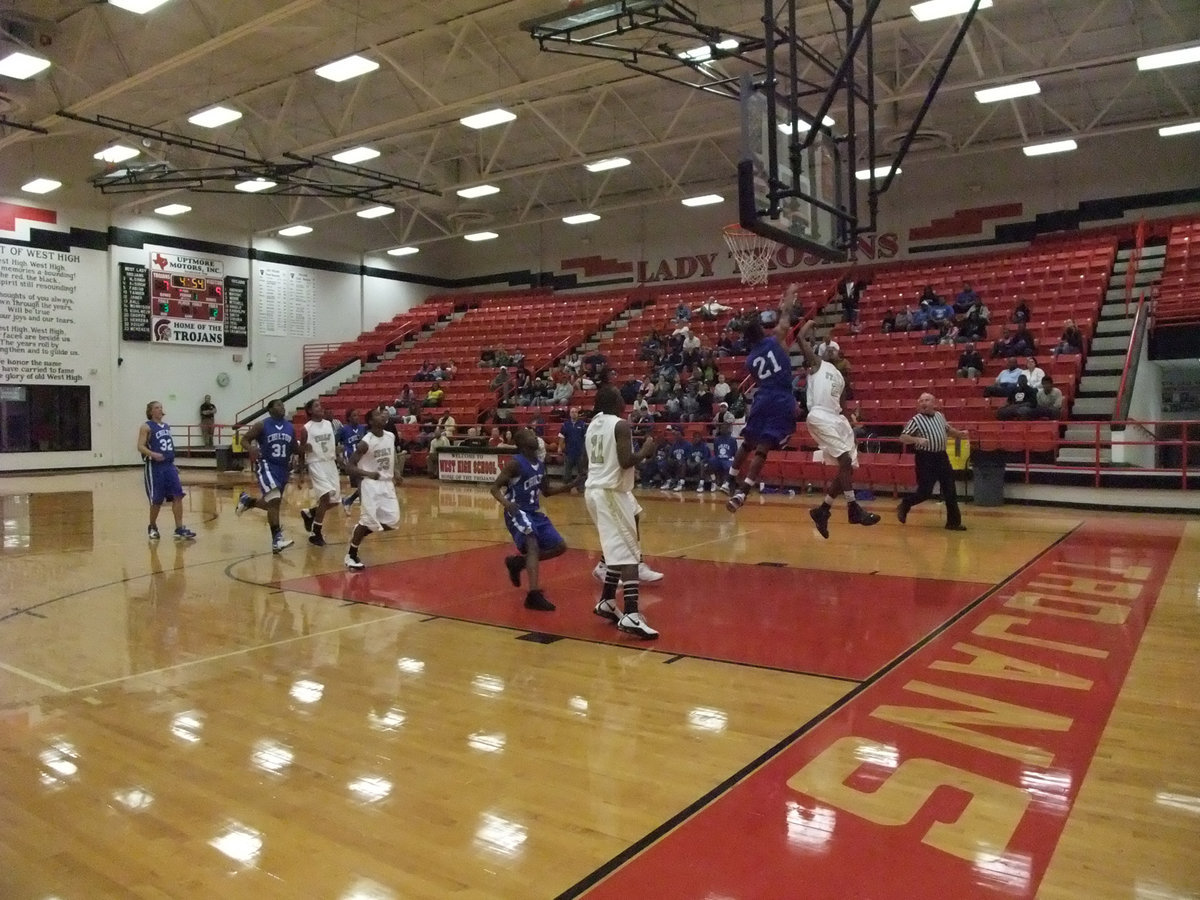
(1071,340)
(940,313)
(574,364)
(496,438)
(704,401)
(435,395)
(1021,404)
(948,336)
(725,344)
(503,385)
(437,373)
(450,369)
(1033,372)
(723,416)
(440,442)
(473,438)
(446,425)
(929,298)
(970,363)
(501,358)
(562,393)
(673,405)
(849,293)
(710,310)
(391,408)
(918,319)
(904,320)
(973,325)
(423,373)
(407,399)
(682,313)
(690,404)
(889,322)
(965,299)
(1006,381)
(1021,313)
(1048,400)
(720,389)
(571,445)
(1018,342)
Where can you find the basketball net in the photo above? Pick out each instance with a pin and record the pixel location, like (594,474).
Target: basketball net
(752,253)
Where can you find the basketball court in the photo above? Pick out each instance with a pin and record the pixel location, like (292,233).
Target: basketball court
(1007,711)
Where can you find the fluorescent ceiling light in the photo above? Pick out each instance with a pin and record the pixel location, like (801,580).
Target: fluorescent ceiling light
(481,190)
(173,209)
(581,218)
(1008,91)
(786,127)
(215,117)
(939,9)
(488,119)
(481,236)
(879,171)
(345,69)
(116,153)
(727,44)
(703,200)
(1169,58)
(294,231)
(255,185)
(1172,130)
(697,54)
(374,212)
(1052,147)
(403,251)
(141,7)
(41,186)
(355,155)
(603,165)
(22,65)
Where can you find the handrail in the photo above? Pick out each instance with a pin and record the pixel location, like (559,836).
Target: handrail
(1135,259)
(288,389)
(1133,355)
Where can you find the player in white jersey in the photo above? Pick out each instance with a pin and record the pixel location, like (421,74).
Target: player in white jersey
(608,494)
(832,431)
(374,461)
(318,450)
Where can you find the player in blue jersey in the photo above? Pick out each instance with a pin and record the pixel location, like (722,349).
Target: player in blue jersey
(517,489)
(725,448)
(699,461)
(272,442)
(772,416)
(162,478)
(678,452)
(348,437)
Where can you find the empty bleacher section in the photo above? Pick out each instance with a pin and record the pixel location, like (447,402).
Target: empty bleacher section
(1178,301)
(390,333)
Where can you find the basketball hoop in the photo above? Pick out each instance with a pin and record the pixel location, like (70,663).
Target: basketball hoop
(752,253)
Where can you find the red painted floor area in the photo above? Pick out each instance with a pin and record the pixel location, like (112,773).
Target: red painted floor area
(954,773)
(801,620)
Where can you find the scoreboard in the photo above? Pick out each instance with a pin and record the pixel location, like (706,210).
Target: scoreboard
(187,297)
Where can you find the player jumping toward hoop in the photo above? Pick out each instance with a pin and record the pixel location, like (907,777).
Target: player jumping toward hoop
(832,432)
(772,417)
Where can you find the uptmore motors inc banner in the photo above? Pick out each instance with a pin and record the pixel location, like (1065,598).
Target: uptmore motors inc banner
(187,300)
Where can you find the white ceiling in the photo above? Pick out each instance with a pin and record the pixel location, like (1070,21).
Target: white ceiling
(446,59)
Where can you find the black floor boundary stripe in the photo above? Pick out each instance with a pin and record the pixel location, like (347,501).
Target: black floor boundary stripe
(647,840)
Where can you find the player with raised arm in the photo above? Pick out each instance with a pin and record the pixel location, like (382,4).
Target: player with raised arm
(272,441)
(611,504)
(318,451)
(374,461)
(832,431)
(772,417)
(517,488)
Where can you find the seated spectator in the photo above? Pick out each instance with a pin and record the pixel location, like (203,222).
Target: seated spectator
(1021,404)
(474,438)
(1018,342)
(691,343)
(450,369)
(407,399)
(1006,381)
(928,298)
(446,425)
(501,358)
(630,390)
(503,385)
(1048,400)
(423,373)
(574,363)
(966,298)
(682,313)
(940,313)
(690,404)
(1033,372)
(1071,340)
(973,326)
(720,389)
(1021,313)
(437,373)
(970,363)
(436,445)
(562,394)
(725,345)
(710,309)
(496,438)
(948,336)
(434,397)
(904,320)
(918,319)
(889,322)
(723,416)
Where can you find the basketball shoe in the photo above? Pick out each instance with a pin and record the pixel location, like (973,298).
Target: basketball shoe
(352,562)
(245,501)
(537,600)
(633,623)
(184,534)
(280,543)
(307,518)
(606,609)
(736,501)
(856,515)
(153,535)
(515,564)
(820,517)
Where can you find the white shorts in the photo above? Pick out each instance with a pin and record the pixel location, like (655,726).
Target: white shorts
(833,434)
(615,515)
(380,508)
(325,479)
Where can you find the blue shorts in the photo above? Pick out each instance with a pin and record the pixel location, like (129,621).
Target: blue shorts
(162,482)
(270,478)
(772,418)
(722,465)
(536,523)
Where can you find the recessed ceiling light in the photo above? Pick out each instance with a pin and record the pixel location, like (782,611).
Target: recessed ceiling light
(939,9)
(374,212)
(1185,128)
(355,155)
(173,209)
(254,185)
(1008,91)
(603,165)
(215,117)
(481,236)
(786,127)
(141,7)
(581,219)
(41,186)
(1052,147)
(880,172)
(116,153)
(294,231)
(1169,58)
(488,119)
(22,65)
(703,200)
(403,251)
(479,191)
(347,68)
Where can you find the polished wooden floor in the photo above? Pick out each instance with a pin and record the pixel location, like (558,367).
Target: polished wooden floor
(211,720)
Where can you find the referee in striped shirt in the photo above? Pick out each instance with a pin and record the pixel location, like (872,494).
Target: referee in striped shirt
(927,432)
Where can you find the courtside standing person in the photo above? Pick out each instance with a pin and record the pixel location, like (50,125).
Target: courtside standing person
(927,432)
